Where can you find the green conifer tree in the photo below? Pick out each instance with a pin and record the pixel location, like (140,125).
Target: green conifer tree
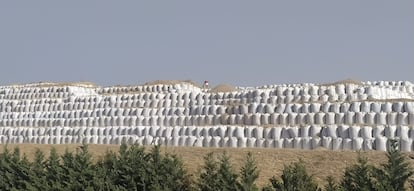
(226,174)
(396,172)
(294,178)
(331,184)
(249,174)
(358,177)
(208,178)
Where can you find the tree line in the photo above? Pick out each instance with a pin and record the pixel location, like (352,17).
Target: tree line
(135,168)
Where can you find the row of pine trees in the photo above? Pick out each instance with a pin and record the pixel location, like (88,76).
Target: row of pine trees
(134,168)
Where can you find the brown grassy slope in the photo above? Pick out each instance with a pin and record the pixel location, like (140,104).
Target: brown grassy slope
(320,163)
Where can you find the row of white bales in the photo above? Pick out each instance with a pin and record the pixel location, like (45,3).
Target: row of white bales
(304,116)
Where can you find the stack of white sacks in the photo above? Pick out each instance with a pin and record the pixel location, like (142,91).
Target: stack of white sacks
(340,116)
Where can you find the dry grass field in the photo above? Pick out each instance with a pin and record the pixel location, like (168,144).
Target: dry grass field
(320,163)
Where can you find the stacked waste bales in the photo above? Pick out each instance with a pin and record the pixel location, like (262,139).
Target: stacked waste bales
(346,115)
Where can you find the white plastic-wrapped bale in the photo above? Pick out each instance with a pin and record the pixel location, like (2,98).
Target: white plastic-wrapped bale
(267,132)
(306,143)
(283,119)
(238,132)
(367,145)
(189,141)
(304,131)
(330,118)
(161,141)
(197,131)
(380,118)
(260,143)
(209,120)
(329,131)
(231,120)
(310,118)
(370,118)
(347,144)
(392,118)
(291,118)
(258,132)
(354,132)
(153,131)
(349,118)
(375,107)
(357,143)
(320,118)
(366,132)
(288,143)
(172,141)
(365,107)
(403,132)
(411,119)
(337,144)
(221,131)
(326,107)
(215,141)
(199,142)
(232,142)
(293,132)
(160,132)
(241,142)
(402,118)
(297,143)
(148,140)
(355,107)
(268,143)
(207,141)
(251,142)
(280,108)
(189,131)
(256,119)
(390,131)
(411,133)
(381,143)
(359,118)
(397,106)
(264,119)
(406,144)
(275,133)
(339,118)
(278,144)
(327,142)
(175,131)
(343,131)
(315,131)
(378,131)
(409,107)
(301,119)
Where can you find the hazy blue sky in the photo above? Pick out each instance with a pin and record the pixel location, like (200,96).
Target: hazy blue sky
(243,43)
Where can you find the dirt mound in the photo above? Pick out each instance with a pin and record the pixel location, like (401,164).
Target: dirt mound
(346,81)
(223,88)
